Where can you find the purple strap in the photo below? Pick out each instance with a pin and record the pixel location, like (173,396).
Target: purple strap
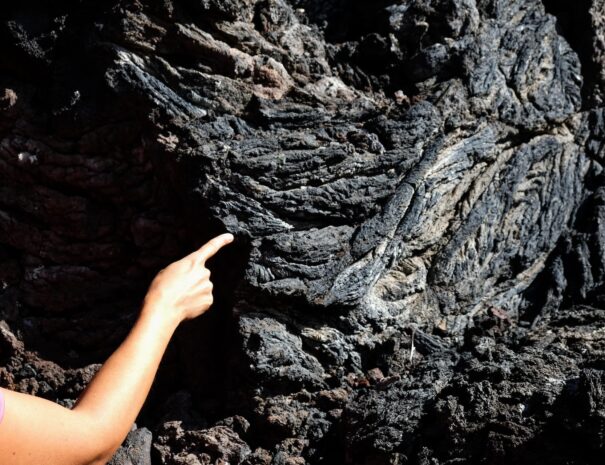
(1,405)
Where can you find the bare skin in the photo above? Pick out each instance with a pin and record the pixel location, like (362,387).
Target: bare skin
(39,432)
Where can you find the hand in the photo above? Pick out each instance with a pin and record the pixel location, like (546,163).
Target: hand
(95,427)
(183,289)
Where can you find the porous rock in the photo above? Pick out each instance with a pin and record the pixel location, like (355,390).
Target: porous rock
(416,189)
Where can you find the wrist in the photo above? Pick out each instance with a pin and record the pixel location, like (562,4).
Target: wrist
(160,315)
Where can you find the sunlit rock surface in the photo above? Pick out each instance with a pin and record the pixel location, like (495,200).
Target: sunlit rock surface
(417,194)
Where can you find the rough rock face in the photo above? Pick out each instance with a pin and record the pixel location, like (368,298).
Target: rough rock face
(417,193)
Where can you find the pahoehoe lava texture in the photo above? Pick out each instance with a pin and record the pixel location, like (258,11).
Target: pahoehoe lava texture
(418,194)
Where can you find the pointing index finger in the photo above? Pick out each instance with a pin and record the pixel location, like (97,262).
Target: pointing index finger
(213,246)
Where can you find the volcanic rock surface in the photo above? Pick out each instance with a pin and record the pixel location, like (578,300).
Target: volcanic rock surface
(418,198)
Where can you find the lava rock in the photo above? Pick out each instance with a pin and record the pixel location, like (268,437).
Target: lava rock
(416,191)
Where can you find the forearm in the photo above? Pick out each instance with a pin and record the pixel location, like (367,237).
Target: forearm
(91,431)
(116,394)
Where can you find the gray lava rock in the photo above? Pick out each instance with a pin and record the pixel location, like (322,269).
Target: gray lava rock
(136,450)
(416,188)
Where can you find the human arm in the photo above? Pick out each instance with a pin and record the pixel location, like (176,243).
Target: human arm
(38,432)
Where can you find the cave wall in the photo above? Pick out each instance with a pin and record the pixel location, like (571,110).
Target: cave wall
(416,192)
